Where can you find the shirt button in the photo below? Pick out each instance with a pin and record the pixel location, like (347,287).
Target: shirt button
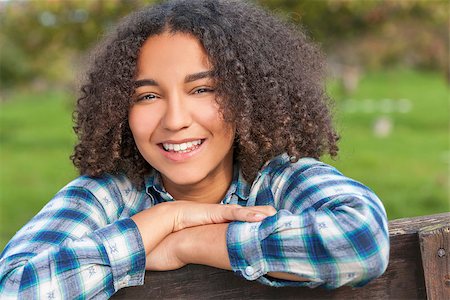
(124,282)
(249,271)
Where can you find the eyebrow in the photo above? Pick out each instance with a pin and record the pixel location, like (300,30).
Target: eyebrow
(187,79)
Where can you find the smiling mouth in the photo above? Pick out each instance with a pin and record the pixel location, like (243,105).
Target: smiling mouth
(182,147)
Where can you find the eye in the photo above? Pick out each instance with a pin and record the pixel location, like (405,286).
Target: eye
(147,97)
(203,90)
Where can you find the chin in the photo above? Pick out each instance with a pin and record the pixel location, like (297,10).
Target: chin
(184,178)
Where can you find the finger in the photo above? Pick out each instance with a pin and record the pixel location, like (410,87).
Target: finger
(246,214)
(265,209)
(262,212)
(255,217)
(231,212)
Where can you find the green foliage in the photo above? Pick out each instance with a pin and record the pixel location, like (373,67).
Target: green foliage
(375,33)
(42,41)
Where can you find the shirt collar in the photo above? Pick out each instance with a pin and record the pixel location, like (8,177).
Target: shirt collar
(279,160)
(154,181)
(239,186)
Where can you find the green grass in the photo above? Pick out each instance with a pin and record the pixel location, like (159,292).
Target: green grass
(409,169)
(36,140)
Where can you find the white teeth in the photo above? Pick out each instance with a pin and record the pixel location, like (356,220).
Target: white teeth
(183,147)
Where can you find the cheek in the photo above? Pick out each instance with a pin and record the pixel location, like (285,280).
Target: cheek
(210,118)
(209,115)
(229,135)
(141,124)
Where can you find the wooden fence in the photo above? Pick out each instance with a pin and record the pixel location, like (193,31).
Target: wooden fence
(419,268)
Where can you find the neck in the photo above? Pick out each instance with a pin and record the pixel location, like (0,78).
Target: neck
(210,190)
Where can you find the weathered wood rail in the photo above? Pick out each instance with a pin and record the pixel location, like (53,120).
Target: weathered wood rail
(419,268)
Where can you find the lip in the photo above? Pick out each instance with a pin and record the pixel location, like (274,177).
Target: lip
(181,157)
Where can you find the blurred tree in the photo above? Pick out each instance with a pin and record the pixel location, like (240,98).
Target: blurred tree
(375,33)
(42,41)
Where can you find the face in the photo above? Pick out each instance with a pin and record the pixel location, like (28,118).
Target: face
(175,119)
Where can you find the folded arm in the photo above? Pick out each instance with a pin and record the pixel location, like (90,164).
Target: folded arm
(204,245)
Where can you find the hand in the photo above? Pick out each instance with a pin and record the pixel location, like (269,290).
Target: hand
(157,222)
(178,248)
(189,214)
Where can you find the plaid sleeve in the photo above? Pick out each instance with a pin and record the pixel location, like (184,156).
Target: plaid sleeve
(328,228)
(75,247)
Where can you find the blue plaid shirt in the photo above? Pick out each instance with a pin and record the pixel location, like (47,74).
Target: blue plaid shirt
(83,244)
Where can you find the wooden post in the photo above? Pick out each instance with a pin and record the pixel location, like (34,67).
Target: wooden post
(435,249)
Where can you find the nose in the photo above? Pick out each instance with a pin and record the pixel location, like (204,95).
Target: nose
(177,115)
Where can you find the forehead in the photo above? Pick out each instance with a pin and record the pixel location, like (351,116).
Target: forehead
(171,52)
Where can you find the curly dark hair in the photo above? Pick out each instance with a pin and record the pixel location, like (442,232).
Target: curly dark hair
(269,84)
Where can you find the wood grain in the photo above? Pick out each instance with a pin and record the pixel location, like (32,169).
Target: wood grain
(435,249)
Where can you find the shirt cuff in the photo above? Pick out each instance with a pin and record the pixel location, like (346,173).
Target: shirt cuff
(248,259)
(244,250)
(125,249)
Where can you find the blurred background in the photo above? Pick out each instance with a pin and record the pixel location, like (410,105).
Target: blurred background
(389,76)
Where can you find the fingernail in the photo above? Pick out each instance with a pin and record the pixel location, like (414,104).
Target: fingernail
(258,216)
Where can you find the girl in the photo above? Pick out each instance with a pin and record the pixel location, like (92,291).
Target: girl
(200,126)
